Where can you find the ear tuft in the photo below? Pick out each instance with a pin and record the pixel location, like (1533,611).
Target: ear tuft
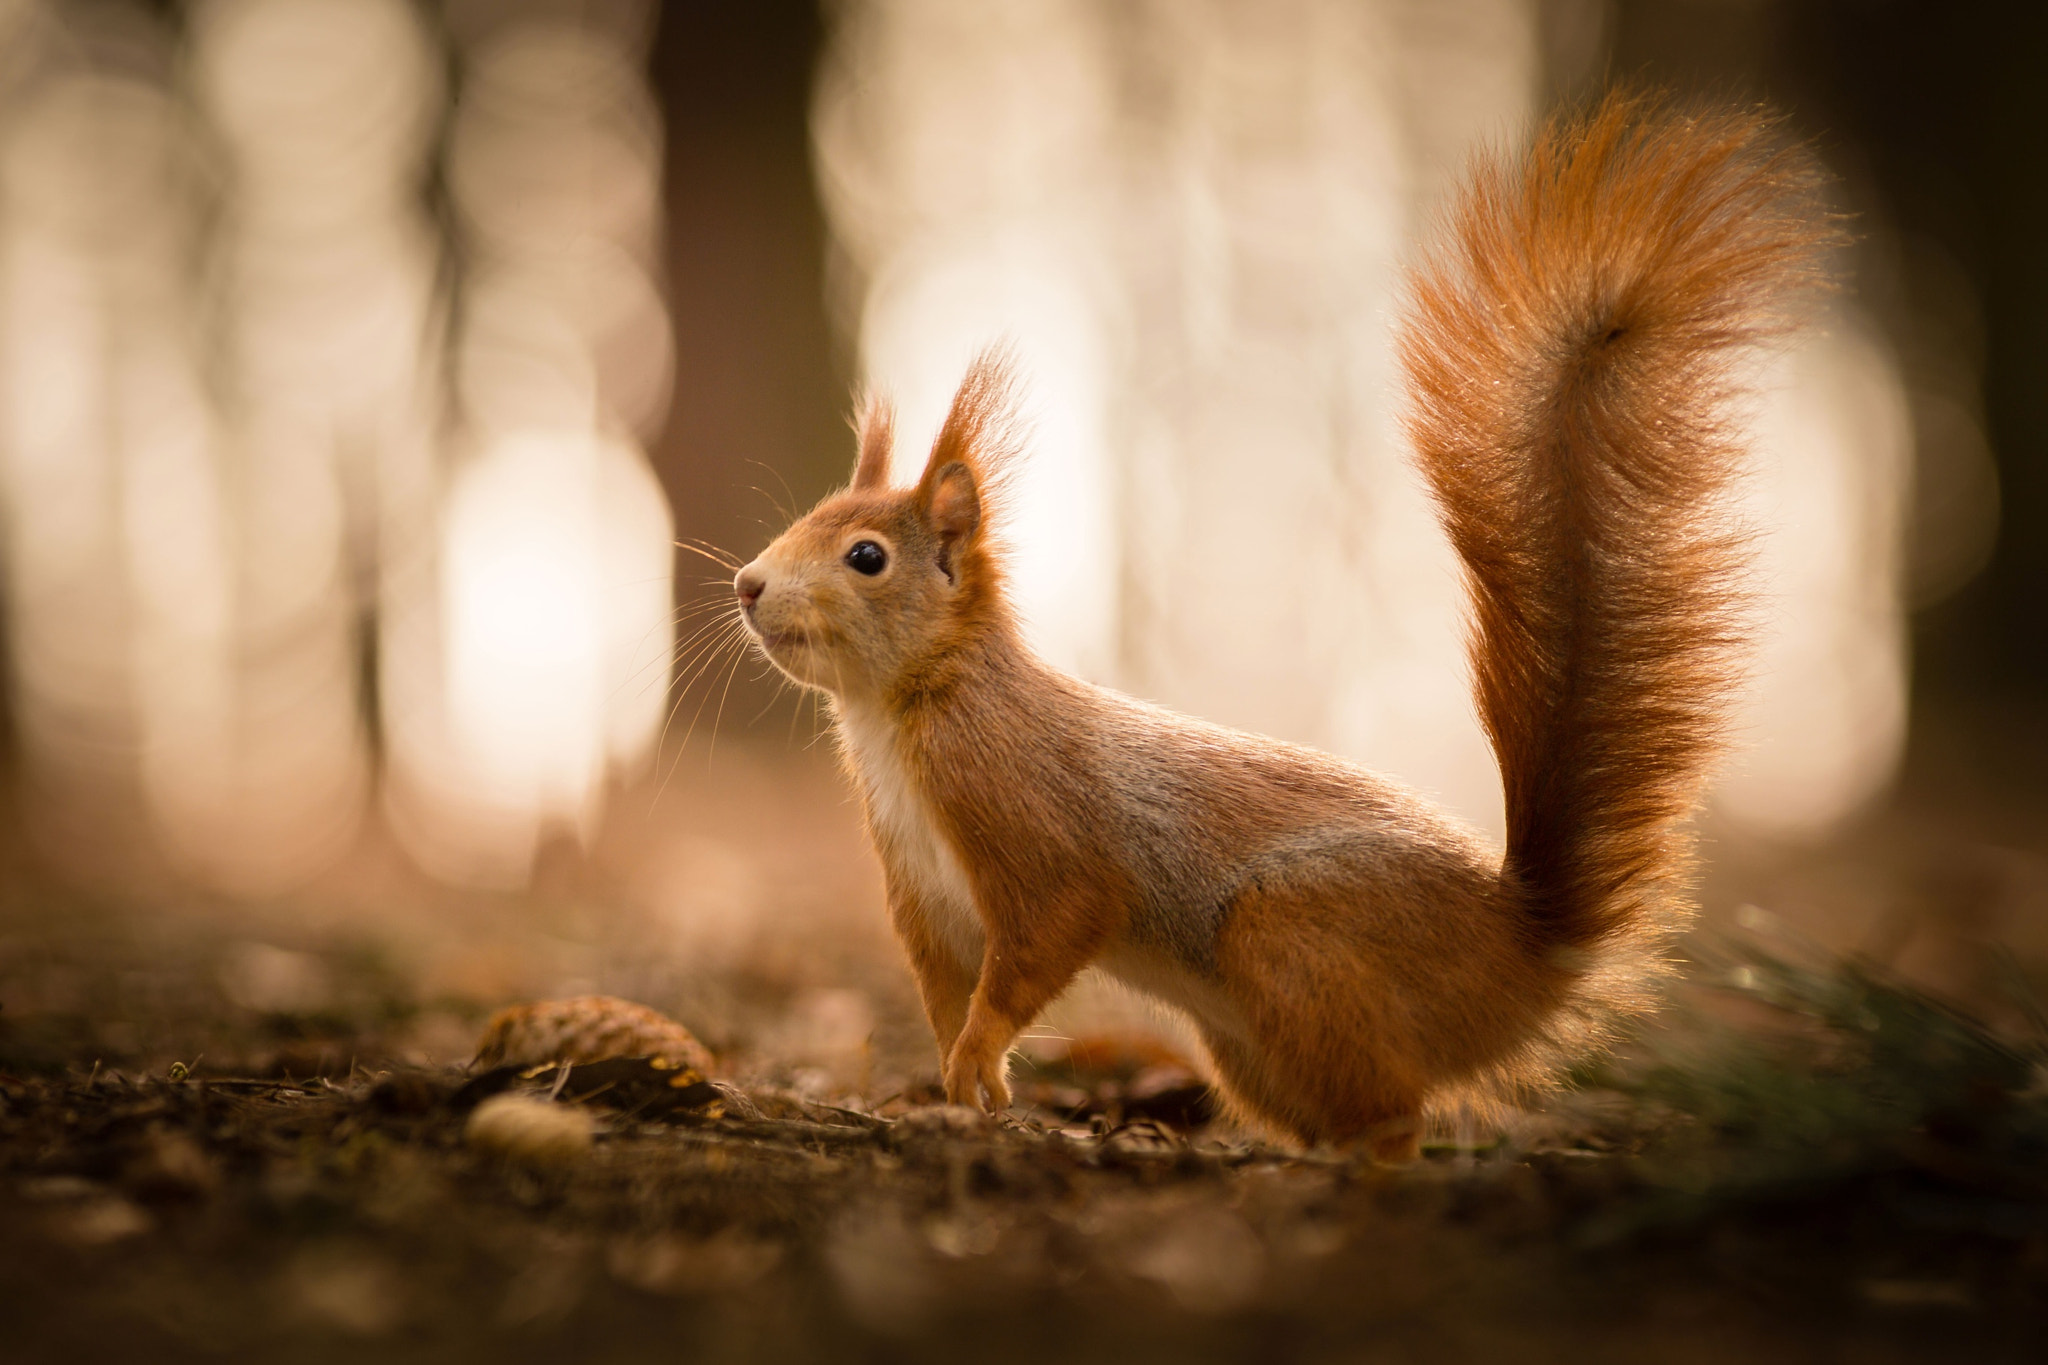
(877,426)
(981,425)
(975,453)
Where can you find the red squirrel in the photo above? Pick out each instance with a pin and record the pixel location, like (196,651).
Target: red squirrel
(1351,956)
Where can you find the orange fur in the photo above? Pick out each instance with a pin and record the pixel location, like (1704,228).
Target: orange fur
(1350,955)
(1603,286)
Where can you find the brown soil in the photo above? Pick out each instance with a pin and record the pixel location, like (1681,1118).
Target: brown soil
(229,1131)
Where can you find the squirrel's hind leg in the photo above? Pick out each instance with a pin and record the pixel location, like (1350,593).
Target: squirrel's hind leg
(1322,1048)
(1259,1090)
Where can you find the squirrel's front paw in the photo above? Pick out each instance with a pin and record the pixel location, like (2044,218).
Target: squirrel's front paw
(968,1079)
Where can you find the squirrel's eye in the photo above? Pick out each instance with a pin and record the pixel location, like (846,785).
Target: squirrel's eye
(867,557)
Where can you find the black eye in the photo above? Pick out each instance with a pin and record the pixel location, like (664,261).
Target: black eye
(867,557)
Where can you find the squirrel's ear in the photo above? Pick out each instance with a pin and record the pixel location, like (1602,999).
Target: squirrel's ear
(877,440)
(952,505)
(967,455)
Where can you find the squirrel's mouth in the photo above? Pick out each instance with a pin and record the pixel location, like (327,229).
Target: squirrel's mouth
(772,640)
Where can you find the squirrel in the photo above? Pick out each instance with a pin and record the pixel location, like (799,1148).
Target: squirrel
(1353,958)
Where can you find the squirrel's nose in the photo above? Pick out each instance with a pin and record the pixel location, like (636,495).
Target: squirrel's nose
(750,584)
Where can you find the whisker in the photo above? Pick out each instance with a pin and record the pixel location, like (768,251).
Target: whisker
(714,654)
(781,688)
(709,601)
(697,621)
(789,514)
(674,659)
(681,617)
(694,658)
(708,655)
(819,728)
(697,616)
(677,617)
(703,654)
(725,559)
(838,677)
(706,626)
(796,713)
(682,689)
(691,667)
(730,674)
(773,501)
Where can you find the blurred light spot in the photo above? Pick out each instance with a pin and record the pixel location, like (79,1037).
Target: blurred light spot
(555,342)
(224,413)
(556,140)
(540,665)
(96,218)
(544,620)
(272,980)
(1954,523)
(524,679)
(328,102)
(1824,722)
(1057,515)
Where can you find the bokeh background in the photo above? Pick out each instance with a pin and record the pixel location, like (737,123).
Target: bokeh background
(384,385)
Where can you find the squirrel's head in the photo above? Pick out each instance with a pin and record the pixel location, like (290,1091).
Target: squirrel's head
(877,586)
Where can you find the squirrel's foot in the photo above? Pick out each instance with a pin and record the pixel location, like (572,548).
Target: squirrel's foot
(968,1078)
(1397,1141)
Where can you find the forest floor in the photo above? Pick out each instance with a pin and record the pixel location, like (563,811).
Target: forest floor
(228,1130)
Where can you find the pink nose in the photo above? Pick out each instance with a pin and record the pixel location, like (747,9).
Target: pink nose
(750,584)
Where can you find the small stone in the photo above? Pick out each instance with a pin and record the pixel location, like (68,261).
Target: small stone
(171,1166)
(529,1132)
(354,1292)
(670,1263)
(1209,1260)
(949,1120)
(101,1222)
(58,1188)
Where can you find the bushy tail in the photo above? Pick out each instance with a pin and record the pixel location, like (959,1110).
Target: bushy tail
(1571,354)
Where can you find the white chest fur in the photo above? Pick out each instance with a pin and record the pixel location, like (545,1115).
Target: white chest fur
(916,850)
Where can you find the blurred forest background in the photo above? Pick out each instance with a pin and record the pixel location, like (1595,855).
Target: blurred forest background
(362,362)
(387,389)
